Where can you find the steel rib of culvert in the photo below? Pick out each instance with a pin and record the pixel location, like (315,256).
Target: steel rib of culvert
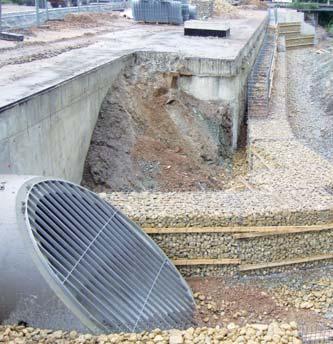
(148,295)
(176,290)
(171,286)
(123,231)
(82,277)
(89,246)
(89,273)
(143,266)
(102,276)
(90,264)
(168,269)
(79,292)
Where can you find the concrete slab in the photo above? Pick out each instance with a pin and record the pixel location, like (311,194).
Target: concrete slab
(9,36)
(206,28)
(20,81)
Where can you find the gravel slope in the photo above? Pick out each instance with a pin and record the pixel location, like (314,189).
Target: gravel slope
(310,98)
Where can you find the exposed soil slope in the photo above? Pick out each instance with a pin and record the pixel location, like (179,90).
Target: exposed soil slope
(152,136)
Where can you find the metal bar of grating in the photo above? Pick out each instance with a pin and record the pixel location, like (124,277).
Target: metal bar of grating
(105,262)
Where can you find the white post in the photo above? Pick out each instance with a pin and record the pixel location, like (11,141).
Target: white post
(46,9)
(37,12)
(0,16)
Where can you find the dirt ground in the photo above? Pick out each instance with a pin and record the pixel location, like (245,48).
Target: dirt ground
(55,37)
(263,299)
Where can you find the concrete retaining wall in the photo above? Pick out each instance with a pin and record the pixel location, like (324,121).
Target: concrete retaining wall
(49,133)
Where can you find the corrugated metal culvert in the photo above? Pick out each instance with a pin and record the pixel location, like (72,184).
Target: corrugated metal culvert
(101,265)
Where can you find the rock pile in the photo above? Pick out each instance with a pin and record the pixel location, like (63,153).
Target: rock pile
(317,296)
(205,305)
(225,9)
(251,334)
(205,8)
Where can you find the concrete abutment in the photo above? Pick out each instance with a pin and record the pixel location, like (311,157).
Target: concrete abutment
(46,129)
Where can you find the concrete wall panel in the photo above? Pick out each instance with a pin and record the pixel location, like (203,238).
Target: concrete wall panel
(49,133)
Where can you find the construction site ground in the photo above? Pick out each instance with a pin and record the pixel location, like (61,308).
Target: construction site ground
(301,296)
(59,36)
(304,296)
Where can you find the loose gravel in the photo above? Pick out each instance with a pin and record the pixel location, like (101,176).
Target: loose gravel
(232,333)
(310,98)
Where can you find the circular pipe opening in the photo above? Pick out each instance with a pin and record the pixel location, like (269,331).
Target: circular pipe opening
(114,275)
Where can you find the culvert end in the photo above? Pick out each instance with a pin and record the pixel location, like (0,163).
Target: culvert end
(101,265)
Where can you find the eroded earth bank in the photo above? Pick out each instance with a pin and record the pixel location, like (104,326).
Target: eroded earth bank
(151,135)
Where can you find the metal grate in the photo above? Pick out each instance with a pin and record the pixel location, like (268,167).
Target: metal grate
(106,263)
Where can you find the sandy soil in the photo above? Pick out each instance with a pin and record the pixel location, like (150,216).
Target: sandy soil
(56,37)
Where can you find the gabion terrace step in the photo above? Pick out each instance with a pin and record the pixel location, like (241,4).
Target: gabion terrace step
(245,249)
(289,27)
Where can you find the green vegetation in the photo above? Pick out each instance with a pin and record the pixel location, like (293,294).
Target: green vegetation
(17,2)
(303,5)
